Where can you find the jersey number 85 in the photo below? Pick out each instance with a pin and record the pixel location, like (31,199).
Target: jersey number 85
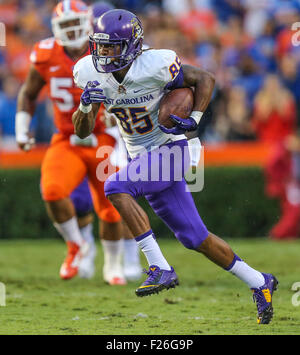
(131,120)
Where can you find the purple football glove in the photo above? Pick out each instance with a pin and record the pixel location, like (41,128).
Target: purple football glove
(92,94)
(182,125)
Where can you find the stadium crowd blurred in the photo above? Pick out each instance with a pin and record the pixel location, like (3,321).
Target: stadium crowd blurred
(250,46)
(247,44)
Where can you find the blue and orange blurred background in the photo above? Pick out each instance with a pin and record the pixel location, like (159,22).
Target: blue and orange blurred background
(249,45)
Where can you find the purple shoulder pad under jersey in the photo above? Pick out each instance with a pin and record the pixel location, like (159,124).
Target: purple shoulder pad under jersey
(177,82)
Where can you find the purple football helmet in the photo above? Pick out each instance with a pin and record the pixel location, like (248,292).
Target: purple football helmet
(98,9)
(122,31)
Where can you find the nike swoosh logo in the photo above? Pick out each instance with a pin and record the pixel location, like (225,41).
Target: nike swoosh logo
(135,91)
(52,69)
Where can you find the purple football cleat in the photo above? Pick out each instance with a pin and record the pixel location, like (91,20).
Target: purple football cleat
(157,281)
(262,296)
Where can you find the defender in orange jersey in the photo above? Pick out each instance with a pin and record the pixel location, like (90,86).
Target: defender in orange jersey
(69,159)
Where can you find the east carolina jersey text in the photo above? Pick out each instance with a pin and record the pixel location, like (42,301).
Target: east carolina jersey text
(135,101)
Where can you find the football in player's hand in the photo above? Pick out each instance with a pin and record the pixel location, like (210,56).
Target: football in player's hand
(177,102)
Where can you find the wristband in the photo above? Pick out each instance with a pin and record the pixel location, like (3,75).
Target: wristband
(23,120)
(85,109)
(196,115)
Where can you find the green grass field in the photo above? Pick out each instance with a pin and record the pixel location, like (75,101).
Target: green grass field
(208,300)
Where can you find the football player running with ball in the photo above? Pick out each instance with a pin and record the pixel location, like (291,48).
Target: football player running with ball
(131,82)
(69,159)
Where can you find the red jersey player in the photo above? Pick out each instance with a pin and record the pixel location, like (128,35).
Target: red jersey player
(69,159)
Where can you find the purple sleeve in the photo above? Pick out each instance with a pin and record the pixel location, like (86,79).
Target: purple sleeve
(177,82)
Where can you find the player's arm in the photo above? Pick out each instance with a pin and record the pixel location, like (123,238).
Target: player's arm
(203,82)
(27,98)
(84,119)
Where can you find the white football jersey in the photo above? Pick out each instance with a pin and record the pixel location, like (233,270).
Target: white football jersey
(135,101)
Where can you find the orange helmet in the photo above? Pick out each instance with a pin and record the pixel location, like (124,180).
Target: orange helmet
(71,23)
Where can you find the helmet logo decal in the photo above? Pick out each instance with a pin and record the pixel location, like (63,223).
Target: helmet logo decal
(136,28)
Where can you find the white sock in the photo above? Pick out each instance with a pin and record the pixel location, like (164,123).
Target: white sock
(252,277)
(87,233)
(70,231)
(131,252)
(153,254)
(112,250)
